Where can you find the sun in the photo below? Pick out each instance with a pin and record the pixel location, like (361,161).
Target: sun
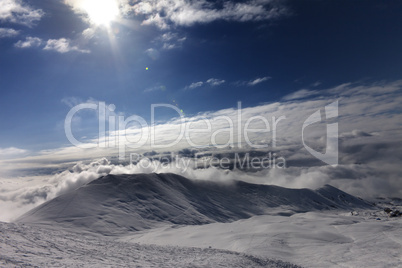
(101,12)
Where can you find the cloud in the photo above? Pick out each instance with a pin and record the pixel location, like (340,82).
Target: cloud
(316,84)
(163,14)
(88,33)
(211,82)
(15,11)
(370,151)
(29,42)
(252,82)
(303,93)
(215,82)
(258,81)
(158,87)
(62,45)
(152,53)
(355,134)
(194,85)
(8,32)
(171,40)
(12,152)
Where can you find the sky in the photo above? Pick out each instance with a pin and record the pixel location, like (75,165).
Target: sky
(277,58)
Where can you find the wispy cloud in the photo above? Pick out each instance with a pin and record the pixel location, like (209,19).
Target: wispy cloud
(15,11)
(29,42)
(12,152)
(301,94)
(252,82)
(62,45)
(158,87)
(8,32)
(194,85)
(152,53)
(316,84)
(171,40)
(258,81)
(88,33)
(163,14)
(215,82)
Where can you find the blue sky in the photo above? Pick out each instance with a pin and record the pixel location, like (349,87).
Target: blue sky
(53,53)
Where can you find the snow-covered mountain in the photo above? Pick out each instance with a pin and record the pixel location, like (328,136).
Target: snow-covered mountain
(116,204)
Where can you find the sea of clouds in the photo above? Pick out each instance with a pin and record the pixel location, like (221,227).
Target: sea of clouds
(370,150)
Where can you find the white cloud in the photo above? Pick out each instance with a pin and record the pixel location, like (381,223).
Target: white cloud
(168,36)
(158,87)
(370,151)
(195,85)
(8,32)
(212,82)
(12,152)
(15,11)
(258,81)
(88,33)
(186,13)
(303,93)
(29,42)
(215,82)
(152,53)
(171,40)
(316,84)
(62,45)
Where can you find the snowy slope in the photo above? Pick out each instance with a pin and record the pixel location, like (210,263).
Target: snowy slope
(115,204)
(30,246)
(312,239)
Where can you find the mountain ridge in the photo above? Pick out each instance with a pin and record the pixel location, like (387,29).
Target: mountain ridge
(116,204)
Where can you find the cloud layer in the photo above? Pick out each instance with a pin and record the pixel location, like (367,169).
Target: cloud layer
(370,151)
(164,14)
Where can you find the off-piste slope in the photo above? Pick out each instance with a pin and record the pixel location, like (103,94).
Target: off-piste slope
(116,204)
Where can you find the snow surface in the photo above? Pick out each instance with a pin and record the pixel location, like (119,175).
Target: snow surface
(165,220)
(27,246)
(313,239)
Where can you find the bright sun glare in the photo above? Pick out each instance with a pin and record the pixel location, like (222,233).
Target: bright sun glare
(101,12)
